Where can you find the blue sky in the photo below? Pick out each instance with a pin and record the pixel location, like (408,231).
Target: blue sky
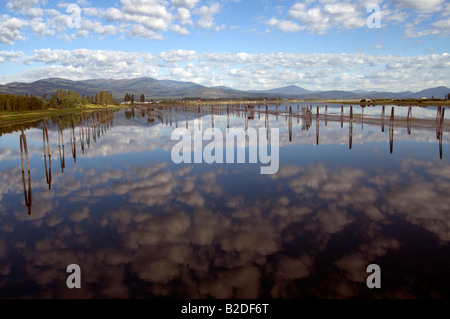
(246,44)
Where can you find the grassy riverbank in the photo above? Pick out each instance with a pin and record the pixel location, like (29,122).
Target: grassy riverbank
(12,118)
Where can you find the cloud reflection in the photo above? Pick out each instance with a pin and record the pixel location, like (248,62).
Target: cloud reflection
(158,230)
(195,247)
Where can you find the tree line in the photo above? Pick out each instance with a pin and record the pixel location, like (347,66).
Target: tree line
(130,98)
(60,100)
(10,102)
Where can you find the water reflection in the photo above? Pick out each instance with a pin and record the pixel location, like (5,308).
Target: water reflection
(440,127)
(408,120)
(350,132)
(46,146)
(146,228)
(102,121)
(26,187)
(164,114)
(391,131)
(73,140)
(61,142)
(317,126)
(196,239)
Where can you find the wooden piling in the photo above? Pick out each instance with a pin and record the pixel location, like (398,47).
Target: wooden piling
(26,191)
(61,139)
(391,131)
(48,170)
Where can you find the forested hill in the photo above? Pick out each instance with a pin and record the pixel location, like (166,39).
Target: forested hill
(167,89)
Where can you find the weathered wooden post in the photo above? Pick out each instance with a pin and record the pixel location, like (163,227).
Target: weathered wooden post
(290,123)
(88,129)
(441,130)
(212,117)
(73,141)
(438,115)
(81,133)
(391,131)
(27,192)
(48,173)
(61,139)
(408,120)
(362,118)
(317,126)
(350,129)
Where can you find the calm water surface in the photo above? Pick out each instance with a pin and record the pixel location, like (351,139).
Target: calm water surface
(371,188)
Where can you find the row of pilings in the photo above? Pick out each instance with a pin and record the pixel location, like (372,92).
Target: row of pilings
(168,114)
(90,127)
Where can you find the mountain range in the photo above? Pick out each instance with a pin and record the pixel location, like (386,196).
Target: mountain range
(168,89)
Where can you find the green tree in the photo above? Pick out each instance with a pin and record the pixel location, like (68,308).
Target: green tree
(103,98)
(142,98)
(132,98)
(53,103)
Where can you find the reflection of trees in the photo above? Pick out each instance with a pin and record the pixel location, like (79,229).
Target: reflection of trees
(18,127)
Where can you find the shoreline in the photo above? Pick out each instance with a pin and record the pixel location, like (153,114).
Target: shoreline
(405,102)
(23,117)
(19,117)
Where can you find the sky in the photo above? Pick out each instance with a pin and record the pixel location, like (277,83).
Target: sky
(398,45)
